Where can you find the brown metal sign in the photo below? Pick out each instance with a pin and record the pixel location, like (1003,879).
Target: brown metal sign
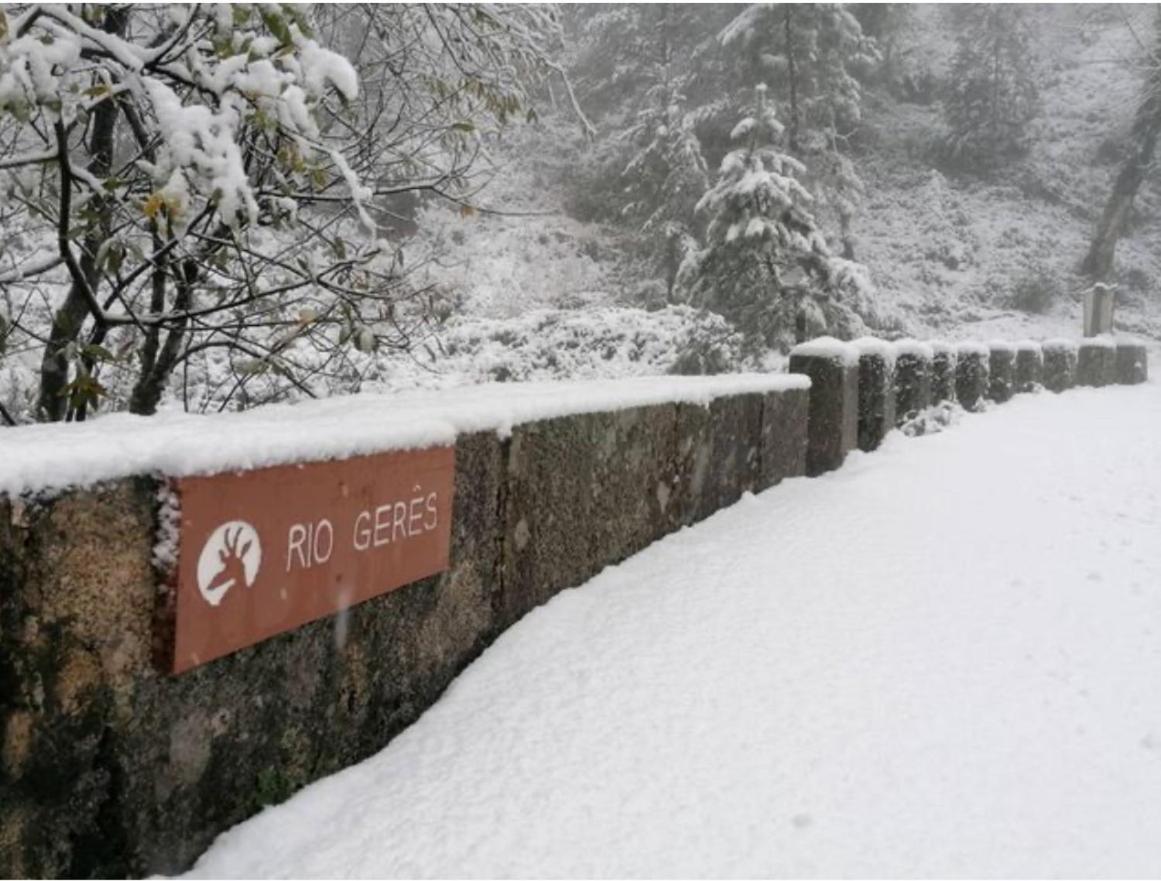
(265,551)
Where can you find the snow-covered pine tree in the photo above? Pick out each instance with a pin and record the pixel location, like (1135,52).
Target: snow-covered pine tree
(766,266)
(992,94)
(812,52)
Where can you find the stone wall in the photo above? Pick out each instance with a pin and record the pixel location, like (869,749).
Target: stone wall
(110,767)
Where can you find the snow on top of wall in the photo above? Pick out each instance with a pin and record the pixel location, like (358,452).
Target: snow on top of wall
(972,347)
(915,349)
(39,457)
(1027,346)
(943,347)
(1059,345)
(1001,346)
(1103,341)
(828,347)
(869,345)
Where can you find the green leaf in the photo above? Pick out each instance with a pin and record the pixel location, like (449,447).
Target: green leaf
(97,353)
(277,26)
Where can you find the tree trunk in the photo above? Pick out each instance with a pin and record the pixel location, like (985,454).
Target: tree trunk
(792,71)
(1098,263)
(69,319)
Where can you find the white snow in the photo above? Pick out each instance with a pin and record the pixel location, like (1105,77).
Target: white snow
(915,349)
(1060,345)
(943,347)
(828,347)
(1001,346)
(971,347)
(1028,346)
(869,345)
(79,454)
(1101,341)
(804,687)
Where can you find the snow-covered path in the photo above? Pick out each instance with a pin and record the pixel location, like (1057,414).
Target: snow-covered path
(943,660)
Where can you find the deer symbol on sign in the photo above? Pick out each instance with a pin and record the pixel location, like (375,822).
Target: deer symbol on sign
(231,556)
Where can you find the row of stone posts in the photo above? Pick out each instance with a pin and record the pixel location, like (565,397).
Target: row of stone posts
(863,389)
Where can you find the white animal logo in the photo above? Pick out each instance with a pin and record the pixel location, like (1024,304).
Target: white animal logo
(232,554)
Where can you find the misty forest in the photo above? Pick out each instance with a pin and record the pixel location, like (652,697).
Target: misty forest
(211,208)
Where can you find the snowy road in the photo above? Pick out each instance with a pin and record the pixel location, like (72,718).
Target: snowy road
(943,660)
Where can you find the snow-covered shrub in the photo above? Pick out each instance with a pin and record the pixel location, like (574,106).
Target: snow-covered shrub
(1037,289)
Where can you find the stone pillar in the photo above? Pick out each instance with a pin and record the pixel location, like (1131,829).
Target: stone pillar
(833,423)
(1132,363)
(971,375)
(1059,365)
(876,391)
(1001,371)
(943,361)
(1029,365)
(912,379)
(1096,362)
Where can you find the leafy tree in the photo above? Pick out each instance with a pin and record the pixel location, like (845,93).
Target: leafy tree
(992,94)
(1098,262)
(201,192)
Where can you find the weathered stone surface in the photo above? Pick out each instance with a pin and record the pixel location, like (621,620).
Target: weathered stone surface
(876,398)
(588,490)
(1029,366)
(912,385)
(1132,363)
(115,769)
(109,767)
(1096,363)
(1001,373)
(833,425)
(943,364)
(971,377)
(784,420)
(1059,365)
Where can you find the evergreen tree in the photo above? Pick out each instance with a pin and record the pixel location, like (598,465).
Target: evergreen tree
(765,266)
(992,94)
(663,182)
(813,53)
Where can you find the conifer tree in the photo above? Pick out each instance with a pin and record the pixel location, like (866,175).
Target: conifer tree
(764,254)
(992,96)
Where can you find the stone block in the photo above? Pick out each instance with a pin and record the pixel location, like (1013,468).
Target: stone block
(971,375)
(1060,357)
(587,490)
(943,363)
(1096,362)
(1132,363)
(1001,371)
(784,424)
(912,379)
(1029,366)
(833,424)
(876,391)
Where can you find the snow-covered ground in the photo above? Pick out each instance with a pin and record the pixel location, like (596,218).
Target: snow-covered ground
(939,661)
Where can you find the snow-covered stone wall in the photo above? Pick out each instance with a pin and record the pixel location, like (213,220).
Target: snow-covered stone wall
(112,766)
